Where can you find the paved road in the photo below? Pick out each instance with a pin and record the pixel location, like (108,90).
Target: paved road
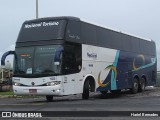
(147,101)
(122,103)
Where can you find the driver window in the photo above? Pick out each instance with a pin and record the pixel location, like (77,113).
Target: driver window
(71,59)
(69,62)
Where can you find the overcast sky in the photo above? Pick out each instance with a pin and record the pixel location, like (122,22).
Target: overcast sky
(137,17)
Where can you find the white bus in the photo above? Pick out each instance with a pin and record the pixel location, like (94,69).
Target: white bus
(60,56)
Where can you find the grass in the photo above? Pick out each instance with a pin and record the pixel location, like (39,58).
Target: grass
(6,93)
(10,93)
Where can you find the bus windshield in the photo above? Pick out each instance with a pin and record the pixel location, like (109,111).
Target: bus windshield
(37,60)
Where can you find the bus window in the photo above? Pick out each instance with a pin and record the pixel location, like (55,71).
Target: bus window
(72,59)
(69,63)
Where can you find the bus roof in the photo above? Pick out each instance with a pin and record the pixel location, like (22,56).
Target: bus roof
(53,18)
(112,29)
(78,19)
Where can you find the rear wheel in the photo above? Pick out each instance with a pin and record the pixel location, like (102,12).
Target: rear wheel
(142,85)
(85,94)
(49,98)
(116,91)
(135,85)
(104,92)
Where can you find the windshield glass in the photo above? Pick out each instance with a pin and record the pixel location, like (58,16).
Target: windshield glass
(37,60)
(42,30)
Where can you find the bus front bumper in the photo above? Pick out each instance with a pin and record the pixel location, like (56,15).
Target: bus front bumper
(38,90)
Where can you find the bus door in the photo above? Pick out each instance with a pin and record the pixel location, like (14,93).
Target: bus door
(68,69)
(69,84)
(72,63)
(72,83)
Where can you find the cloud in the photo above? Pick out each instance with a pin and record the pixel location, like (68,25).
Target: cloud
(11,47)
(1,54)
(9,58)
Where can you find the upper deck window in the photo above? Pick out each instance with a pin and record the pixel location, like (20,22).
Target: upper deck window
(42,30)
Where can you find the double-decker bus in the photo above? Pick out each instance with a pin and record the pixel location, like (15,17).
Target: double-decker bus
(60,56)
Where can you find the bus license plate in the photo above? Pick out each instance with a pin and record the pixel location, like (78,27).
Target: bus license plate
(32,90)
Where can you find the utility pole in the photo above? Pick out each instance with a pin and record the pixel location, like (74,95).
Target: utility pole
(36,9)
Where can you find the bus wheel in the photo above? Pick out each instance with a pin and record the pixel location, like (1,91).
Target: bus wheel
(49,98)
(104,92)
(134,88)
(85,94)
(142,85)
(116,91)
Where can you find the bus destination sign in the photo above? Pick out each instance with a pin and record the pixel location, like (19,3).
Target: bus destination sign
(41,24)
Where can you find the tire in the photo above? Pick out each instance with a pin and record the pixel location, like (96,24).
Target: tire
(142,85)
(116,91)
(49,98)
(85,94)
(104,92)
(135,86)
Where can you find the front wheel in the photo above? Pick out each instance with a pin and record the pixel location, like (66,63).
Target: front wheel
(135,86)
(85,94)
(49,98)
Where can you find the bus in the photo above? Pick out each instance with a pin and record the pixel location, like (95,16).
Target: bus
(58,56)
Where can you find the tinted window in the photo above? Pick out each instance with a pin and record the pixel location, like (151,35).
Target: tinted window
(72,59)
(37,60)
(24,59)
(126,43)
(147,47)
(104,37)
(73,31)
(135,47)
(88,32)
(45,30)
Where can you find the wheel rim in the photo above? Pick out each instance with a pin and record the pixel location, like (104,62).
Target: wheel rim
(136,86)
(143,86)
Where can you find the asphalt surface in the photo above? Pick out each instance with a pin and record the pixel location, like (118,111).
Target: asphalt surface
(146,101)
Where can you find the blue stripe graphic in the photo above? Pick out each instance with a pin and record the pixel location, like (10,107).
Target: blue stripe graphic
(113,80)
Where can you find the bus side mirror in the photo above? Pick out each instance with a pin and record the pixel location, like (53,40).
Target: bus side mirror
(57,57)
(5,55)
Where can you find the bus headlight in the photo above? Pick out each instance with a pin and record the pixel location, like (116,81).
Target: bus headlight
(53,83)
(17,84)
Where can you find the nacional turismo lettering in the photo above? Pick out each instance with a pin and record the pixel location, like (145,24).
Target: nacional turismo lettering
(92,55)
(41,24)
